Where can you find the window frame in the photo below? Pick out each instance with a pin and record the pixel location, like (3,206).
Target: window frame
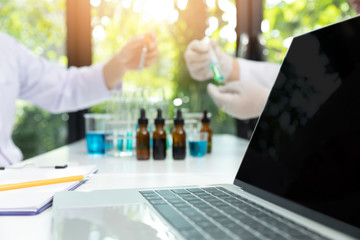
(79,53)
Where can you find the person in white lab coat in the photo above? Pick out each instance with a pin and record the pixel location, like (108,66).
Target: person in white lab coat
(56,88)
(248,83)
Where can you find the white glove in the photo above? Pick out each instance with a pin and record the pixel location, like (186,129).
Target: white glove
(240,99)
(197,58)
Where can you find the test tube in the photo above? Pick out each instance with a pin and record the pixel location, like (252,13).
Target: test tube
(147,39)
(215,66)
(142,58)
(214,62)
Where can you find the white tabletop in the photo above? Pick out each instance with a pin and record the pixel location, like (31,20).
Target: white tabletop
(126,172)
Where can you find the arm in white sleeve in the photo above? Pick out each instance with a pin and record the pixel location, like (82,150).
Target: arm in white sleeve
(263,73)
(56,88)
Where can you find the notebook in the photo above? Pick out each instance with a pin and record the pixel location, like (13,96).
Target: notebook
(34,200)
(299,178)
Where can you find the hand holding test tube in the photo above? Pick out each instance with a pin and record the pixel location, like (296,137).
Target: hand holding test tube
(205,60)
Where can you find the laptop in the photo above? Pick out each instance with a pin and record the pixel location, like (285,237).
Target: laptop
(299,178)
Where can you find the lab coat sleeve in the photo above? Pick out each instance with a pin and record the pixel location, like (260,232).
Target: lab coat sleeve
(56,88)
(264,73)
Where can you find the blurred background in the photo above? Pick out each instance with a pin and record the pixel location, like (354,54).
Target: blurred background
(82,32)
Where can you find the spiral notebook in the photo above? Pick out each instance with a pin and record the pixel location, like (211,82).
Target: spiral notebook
(34,200)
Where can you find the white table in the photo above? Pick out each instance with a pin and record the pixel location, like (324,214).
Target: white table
(218,167)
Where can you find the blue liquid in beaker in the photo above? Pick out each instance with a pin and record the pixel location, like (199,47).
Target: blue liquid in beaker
(95,142)
(197,148)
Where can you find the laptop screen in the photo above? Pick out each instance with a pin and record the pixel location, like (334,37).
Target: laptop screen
(306,146)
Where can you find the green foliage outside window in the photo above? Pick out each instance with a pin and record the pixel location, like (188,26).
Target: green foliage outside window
(119,23)
(286,19)
(282,20)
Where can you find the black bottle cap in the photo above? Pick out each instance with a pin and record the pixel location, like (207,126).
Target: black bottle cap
(142,119)
(178,119)
(205,118)
(159,119)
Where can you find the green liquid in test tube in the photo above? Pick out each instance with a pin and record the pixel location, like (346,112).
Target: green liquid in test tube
(215,66)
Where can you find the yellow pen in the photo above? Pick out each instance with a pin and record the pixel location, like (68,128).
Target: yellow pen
(13,186)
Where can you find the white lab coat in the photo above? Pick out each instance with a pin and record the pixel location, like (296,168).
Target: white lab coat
(47,85)
(264,73)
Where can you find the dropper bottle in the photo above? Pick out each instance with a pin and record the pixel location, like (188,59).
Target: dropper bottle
(159,138)
(205,127)
(179,137)
(142,138)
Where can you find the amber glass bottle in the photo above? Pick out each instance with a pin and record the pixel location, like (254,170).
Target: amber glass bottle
(159,138)
(179,137)
(205,127)
(142,138)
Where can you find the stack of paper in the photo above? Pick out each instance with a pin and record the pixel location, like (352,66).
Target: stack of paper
(33,200)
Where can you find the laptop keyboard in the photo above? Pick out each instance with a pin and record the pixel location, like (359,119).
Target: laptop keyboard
(216,213)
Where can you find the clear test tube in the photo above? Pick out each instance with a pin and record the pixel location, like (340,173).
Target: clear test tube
(147,40)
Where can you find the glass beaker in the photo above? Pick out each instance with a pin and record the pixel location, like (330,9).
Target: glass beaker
(95,129)
(197,143)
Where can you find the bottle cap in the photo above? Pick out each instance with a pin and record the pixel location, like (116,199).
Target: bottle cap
(178,119)
(159,119)
(205,118)
(142,119)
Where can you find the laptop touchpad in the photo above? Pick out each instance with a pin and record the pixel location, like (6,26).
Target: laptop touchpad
(130,221)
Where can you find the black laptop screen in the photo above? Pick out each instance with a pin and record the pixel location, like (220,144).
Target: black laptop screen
(306,146)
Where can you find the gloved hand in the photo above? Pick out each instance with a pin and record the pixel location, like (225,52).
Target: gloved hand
(240,99)
(197,58)
(130,54)
(128,58)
